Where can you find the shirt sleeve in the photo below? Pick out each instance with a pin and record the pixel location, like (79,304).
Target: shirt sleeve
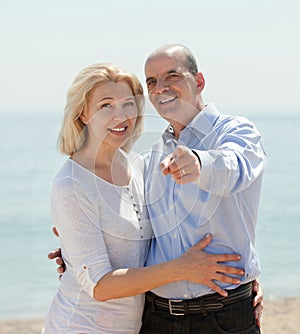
(235,161)
(77,222)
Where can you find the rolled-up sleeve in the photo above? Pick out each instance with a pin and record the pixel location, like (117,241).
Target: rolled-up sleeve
(81,237)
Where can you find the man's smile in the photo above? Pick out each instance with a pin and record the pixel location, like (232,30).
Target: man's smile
(168,100)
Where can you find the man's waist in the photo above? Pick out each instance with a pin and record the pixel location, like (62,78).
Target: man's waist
(190,290)
(204,304)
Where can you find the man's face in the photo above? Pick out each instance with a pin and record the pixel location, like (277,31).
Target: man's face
(172,89)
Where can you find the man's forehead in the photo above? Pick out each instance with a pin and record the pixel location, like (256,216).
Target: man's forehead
(162,64)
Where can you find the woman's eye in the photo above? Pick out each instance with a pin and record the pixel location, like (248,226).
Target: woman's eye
(129,104)
(105,105)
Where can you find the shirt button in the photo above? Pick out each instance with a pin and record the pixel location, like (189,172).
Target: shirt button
(171,207)
(185,295)
(175,236)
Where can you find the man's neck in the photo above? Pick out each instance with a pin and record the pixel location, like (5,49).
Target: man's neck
(179,126)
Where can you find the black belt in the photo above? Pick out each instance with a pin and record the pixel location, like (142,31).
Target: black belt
(204,304)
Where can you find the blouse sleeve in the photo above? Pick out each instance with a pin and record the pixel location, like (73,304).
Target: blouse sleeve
(77,222)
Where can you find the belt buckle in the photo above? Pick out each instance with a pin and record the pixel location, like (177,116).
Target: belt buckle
(171,306)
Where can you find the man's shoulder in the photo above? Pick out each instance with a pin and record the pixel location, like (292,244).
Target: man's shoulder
(234,120)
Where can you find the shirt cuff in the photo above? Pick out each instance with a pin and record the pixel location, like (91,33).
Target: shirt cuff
(196,154)
(84,278)
(205,166)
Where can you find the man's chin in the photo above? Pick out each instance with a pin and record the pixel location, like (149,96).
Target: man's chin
(166,107)
(168,113)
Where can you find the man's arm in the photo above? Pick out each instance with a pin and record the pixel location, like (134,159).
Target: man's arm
(231,161)
(183,165)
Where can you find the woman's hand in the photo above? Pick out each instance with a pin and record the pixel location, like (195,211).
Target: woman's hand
(199,267)
(258,306)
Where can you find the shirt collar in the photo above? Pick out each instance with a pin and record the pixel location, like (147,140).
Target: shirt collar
(168,134)
(202,122)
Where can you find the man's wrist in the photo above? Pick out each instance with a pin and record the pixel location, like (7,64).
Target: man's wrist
(196,154)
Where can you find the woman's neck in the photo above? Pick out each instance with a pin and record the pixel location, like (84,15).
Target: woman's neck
(106,162)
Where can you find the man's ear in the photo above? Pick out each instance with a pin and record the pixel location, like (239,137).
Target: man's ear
(200,82)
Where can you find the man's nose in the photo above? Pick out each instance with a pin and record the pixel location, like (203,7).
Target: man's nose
(161,86)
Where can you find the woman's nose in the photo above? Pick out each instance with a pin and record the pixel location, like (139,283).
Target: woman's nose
(120,114)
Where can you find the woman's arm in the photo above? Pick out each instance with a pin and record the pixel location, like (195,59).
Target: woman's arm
(86,255)
(111,281)
(195,265)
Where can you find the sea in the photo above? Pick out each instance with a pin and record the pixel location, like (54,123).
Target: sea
(29,159)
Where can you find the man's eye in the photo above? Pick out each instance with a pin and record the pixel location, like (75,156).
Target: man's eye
(173,77)
(151,83)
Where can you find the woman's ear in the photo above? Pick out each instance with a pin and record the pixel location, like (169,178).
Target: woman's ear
(83,117)
(200,82)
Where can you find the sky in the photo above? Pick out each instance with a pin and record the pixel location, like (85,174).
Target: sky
(248,51)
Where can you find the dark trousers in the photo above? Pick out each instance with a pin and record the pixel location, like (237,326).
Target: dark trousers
(237,318)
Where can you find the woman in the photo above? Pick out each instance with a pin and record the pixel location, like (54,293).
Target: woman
(97,204)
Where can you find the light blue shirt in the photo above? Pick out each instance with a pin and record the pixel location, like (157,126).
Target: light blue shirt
(223,202)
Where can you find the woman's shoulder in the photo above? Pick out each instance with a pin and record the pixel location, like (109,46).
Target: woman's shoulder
(136,161)
(66,180)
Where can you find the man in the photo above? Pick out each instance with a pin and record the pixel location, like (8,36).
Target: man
(212,167)
(203,176)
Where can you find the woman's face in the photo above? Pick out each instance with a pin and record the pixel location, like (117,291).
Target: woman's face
(110,114)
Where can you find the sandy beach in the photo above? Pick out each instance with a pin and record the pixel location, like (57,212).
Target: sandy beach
(280,316)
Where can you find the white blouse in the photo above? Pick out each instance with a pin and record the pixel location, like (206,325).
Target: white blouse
(102,227)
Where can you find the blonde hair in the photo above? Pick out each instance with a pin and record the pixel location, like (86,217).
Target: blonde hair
(73,131)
